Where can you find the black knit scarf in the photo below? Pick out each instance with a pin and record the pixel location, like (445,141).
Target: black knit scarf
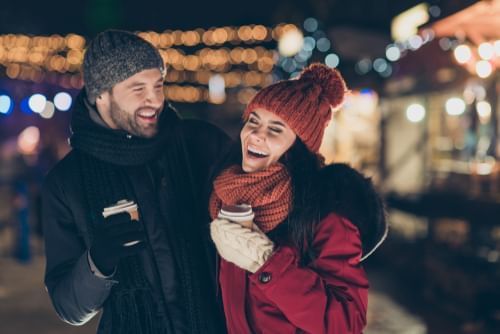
(106,156)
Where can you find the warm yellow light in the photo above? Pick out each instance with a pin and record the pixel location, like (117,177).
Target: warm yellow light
(462,54)
(220,36)
(177,34)
(265,64)
(35,58)
(13,71)
(249,56)
(236,55)
(232,79)
(28,139)
(406,24)
(191,38)
(245,95)
(166,40)
(251,79)
(207,37)
(245,33)
(74,57)
(75,42)
(259,33)
(290,42)
(191,63)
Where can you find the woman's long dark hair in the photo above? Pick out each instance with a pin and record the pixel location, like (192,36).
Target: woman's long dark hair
(303,167)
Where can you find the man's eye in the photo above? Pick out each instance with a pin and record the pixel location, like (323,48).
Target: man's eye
(253,121)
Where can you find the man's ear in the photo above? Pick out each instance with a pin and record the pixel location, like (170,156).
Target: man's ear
(102,102)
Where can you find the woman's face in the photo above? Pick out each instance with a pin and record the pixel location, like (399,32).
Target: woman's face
(265,137)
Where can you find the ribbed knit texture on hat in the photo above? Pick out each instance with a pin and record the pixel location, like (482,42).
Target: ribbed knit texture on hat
(305,104)
(113,56)
(268,191)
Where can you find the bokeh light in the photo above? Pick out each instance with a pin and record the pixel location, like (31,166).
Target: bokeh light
(310,24)
(290,43)
(415,113)
(323,44)
(486,50)
(37,103)
(462,54)
(62,101)
(6,104)
(332,60)
(28,139)
(455,106)
(49,110)
(392,52)
(484,68)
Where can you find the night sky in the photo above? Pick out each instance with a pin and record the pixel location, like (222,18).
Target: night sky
(91,16)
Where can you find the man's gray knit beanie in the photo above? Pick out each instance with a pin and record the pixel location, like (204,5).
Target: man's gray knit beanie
(113,56)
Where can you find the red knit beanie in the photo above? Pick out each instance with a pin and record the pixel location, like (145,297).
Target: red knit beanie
(304,103)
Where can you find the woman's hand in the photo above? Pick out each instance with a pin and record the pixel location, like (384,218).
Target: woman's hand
(246,248)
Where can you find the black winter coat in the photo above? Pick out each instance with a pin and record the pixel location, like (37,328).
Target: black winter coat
(76,292)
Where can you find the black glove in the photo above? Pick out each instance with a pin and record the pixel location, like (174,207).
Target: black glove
(111,241)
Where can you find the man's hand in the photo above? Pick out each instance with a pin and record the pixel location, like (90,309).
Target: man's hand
(118,237)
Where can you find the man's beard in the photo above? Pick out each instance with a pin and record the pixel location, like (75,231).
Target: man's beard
(128,121)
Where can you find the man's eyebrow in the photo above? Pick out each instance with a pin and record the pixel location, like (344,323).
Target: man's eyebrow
(135,84)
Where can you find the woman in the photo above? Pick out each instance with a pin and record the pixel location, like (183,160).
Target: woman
(298,269)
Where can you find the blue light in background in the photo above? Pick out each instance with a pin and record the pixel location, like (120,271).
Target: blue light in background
(25,107)
(6,104)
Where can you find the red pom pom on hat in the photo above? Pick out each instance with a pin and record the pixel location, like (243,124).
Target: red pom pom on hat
(332,83)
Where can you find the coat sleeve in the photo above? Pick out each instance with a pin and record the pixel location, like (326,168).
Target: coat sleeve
(76,293)
(329,295)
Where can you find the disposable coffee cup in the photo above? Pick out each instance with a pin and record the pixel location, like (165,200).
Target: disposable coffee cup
(123,206)
(241,214)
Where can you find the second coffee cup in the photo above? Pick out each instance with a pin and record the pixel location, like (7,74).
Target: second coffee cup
(241,214)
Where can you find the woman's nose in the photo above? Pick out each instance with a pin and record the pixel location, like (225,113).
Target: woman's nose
(259,134)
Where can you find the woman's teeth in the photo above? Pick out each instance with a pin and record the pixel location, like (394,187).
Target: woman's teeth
(257,153)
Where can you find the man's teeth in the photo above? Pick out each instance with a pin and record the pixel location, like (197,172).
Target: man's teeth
(257,152)
(147,114)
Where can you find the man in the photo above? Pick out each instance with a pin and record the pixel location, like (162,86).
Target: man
(153,274)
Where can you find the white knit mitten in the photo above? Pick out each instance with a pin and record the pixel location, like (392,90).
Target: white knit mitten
(246,248)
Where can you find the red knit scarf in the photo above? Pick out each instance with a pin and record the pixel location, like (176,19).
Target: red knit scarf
(267,191)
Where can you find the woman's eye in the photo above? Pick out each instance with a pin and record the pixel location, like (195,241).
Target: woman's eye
(275,130)
(252,121)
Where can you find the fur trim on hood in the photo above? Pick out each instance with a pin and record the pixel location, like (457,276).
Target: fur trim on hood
(348,193)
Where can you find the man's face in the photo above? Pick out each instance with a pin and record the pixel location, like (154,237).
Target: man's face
(135,104)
